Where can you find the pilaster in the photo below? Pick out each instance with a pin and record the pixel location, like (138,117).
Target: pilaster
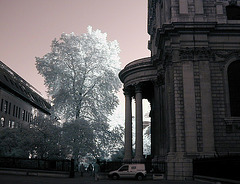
(207,109)
(189,108)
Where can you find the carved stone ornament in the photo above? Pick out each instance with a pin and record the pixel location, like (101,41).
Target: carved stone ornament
(186,54)
(233,2)
(138,88)
(167,57)
(226,53)
(127,91)
(191,53)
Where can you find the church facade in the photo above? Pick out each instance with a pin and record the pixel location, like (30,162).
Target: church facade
(192,82)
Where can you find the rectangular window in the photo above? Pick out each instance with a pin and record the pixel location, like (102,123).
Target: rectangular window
(31,117)
(16,114)
(26,116)
(14,110)
(2,105)
(6,106)
(13,124)
(23,115)
(9,108)
(19,112)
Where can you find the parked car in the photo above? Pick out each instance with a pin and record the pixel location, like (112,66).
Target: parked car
(136,171)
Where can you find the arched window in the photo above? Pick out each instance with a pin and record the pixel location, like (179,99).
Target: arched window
(234,87)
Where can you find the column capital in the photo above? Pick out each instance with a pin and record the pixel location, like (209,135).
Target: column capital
(161,78)
(138,88)
(159,81)
(127,91)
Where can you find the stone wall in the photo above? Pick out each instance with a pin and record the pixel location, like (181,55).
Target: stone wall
(194,42)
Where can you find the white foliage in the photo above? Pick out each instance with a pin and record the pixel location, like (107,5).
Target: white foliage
(81,73)
(147,140)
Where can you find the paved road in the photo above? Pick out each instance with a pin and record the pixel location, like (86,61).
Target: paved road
(14,179)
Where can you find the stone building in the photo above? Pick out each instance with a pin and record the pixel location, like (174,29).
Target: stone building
(192,82)
(19,101)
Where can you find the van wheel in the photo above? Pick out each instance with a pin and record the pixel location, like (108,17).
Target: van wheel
(115,177)
(139,177)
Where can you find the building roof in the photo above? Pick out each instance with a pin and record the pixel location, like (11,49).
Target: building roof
(16,85)
(137,71)
(138,62)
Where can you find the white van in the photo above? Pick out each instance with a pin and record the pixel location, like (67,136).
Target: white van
(136,171)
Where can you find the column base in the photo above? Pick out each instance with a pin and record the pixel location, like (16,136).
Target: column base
(179,167)
(158,164)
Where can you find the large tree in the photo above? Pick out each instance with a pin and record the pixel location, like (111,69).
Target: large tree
(81,74)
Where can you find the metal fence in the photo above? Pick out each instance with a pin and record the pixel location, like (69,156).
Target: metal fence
(220,167)
(39,164)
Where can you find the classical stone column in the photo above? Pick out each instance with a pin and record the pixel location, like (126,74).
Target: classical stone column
(139,125)
(163,131)
(157,121)
(128,126)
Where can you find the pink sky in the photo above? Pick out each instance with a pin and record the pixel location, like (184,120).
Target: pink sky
(29,26)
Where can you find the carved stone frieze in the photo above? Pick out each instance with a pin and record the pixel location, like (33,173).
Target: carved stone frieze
(224,54)
(196,53)
(163,58)
(232,2)
(186,54)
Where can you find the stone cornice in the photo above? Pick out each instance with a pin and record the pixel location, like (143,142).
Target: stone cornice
(138,71)
(135,66)
(185,26)
(197,27)
(137,63)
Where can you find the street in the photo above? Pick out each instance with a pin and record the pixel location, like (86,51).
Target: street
(14,179)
